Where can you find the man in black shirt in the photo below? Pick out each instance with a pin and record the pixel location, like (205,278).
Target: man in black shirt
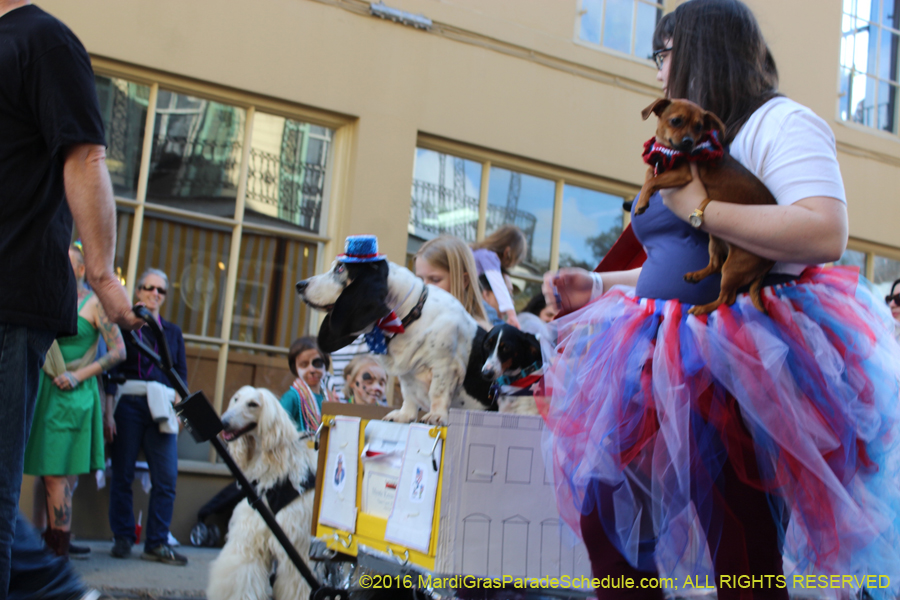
(52,168)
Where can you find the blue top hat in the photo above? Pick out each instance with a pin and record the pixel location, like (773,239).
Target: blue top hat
(360,249)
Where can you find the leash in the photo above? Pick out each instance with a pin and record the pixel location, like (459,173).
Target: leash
(284,492)
(377,340)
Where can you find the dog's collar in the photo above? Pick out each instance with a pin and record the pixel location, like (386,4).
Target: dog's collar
(386,328)
(520,386)
(663,158)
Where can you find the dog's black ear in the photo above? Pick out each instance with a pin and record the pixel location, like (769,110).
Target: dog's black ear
(359,305)
(656,108)
(534,350)
(711,121)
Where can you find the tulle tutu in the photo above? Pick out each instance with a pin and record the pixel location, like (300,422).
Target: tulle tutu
(803,402)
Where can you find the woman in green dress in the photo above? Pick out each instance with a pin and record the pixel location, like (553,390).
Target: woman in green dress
(68,429)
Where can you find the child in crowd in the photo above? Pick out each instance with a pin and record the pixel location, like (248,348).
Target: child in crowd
(447,262)
(498,252)
(366,381)
(303,400)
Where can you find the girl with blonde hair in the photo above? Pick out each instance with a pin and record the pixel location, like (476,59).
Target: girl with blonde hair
(447,262)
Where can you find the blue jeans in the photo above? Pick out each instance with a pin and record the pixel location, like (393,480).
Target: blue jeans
(36,573)
(136,429)
(22,351)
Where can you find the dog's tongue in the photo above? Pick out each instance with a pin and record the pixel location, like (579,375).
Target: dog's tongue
(227,436)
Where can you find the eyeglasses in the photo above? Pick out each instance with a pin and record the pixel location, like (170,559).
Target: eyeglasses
(659,56)
(895,298)
(150,288)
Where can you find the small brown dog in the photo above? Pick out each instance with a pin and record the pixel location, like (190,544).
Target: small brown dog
(686,133)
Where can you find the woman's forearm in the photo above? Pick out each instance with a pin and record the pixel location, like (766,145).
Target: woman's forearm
(811,231)
(614,278)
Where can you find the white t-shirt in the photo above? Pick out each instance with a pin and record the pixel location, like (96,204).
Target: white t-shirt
(792,151)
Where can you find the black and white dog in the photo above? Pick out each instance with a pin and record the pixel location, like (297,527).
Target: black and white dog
(438,357)
(443,359)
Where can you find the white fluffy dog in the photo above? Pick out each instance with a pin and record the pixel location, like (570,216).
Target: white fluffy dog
(269,450)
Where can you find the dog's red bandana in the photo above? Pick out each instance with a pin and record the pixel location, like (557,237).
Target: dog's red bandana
(663,158)
(391,324)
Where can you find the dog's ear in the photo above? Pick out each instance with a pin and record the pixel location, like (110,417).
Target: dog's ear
(533,352)
(711,121)
(359,305)
(275,426)
(656,108)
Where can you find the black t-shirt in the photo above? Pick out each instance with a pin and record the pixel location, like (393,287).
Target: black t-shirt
(48,101)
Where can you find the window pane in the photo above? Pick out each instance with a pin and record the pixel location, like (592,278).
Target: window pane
(591,18)
(867,9)
(526,202)
(286,176)
(886,272)
(617,24)
(196,154)
(847,43)
(862,99)
(195,257)
(123,106)
(202,362)
(648,15)
(124,225)
(591,222)
(887,106)
(445,195)
(267,309)
(889,12)
(887,66)
(853,258)
(865,48)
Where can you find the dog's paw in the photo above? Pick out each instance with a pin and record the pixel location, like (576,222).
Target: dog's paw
(641,208)
(691,277)
(398,416)
(437,418)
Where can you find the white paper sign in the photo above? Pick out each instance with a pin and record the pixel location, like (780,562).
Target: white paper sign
(381,460)
(411,517)
(337,507)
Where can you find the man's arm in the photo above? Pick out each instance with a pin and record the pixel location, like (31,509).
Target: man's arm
(90,196)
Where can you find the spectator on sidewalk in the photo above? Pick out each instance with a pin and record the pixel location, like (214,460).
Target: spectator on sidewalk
(146,420)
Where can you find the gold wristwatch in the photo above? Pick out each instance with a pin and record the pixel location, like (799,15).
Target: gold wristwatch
(696,218)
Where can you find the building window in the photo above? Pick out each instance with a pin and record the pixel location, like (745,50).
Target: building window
(568,219)
(881,270)
(203,194)
(870,32)
(625,26)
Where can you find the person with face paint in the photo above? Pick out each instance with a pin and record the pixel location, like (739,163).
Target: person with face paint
(303,400)
(366,381)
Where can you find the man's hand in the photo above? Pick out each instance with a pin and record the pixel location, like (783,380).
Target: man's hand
(568,289)
(90,197)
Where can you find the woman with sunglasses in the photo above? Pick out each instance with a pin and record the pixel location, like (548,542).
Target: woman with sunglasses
(766,442)
(303,400)
(144,419)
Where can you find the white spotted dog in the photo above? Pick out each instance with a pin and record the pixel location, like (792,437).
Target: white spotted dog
(281,465)
(512,355)
(437,357)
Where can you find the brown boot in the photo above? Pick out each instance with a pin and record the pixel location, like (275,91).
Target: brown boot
(58,542)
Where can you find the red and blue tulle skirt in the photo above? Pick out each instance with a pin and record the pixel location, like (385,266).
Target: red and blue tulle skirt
(650,403)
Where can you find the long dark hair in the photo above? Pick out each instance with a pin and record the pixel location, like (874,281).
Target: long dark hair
(720,60)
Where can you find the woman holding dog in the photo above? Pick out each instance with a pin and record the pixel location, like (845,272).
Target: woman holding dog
(762,434)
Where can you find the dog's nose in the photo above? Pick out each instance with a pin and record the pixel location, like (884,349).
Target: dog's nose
(687,144)
(487,373)
(301,286)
